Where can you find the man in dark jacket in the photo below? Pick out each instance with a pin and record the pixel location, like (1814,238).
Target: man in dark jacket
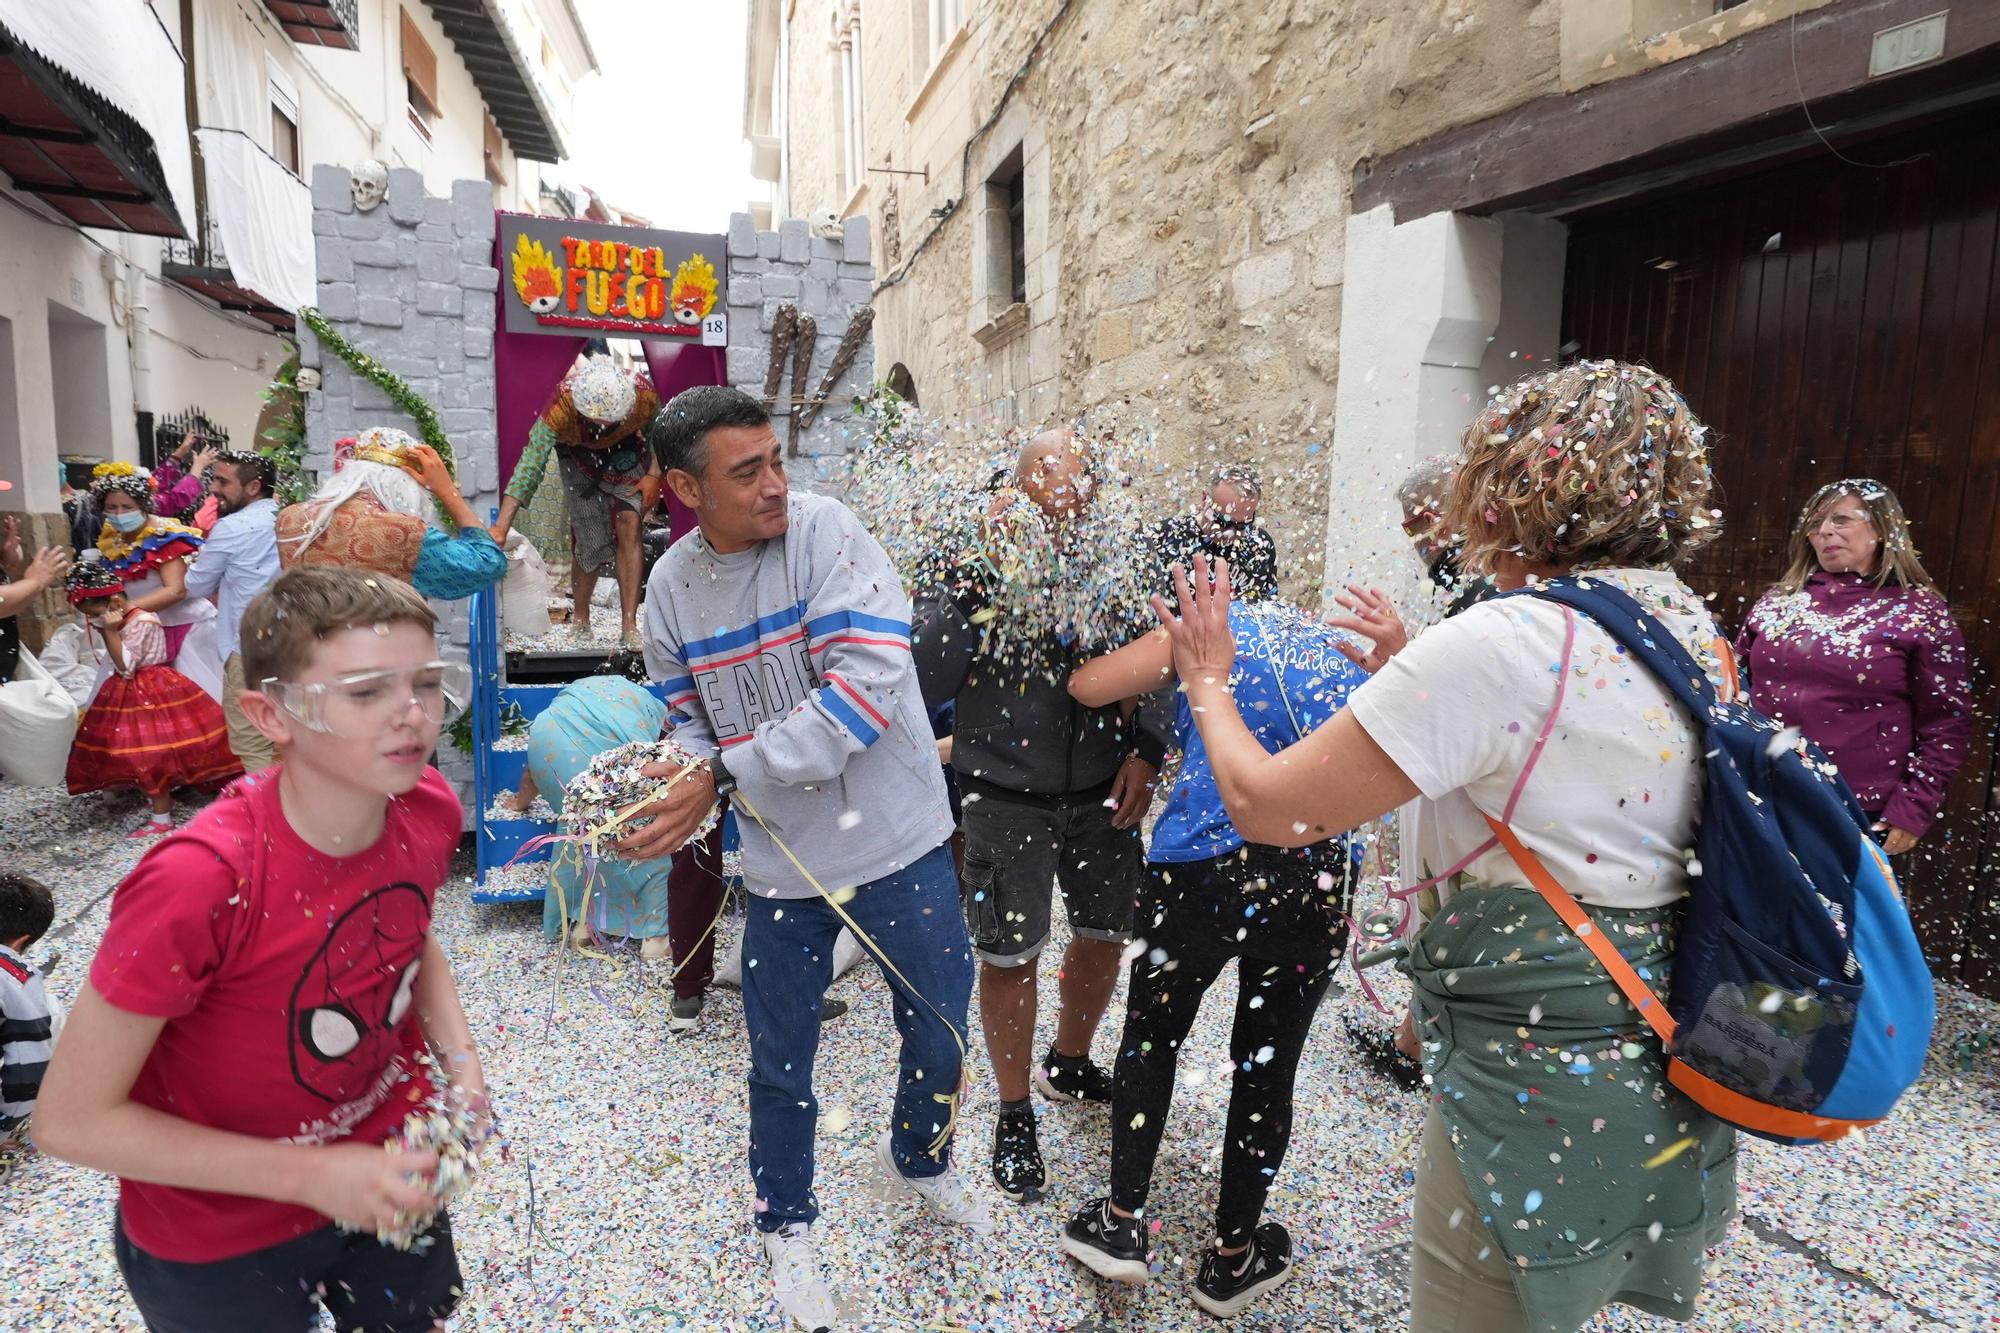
(1225,528)
(1053,793)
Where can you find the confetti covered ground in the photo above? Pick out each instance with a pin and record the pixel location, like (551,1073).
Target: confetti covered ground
(625,1200)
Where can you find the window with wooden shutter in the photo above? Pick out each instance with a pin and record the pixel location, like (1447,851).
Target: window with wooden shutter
(496,153)
(420,74)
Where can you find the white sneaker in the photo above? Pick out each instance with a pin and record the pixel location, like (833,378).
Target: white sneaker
(947,1195)
(795,1273)
(684,1016)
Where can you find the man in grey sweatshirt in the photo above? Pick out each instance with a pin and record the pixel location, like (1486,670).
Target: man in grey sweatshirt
(782,634)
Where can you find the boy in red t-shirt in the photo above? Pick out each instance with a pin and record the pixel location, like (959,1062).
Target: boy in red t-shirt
(256,1017)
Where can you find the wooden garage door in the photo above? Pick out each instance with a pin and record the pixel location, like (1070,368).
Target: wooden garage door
(1831,320)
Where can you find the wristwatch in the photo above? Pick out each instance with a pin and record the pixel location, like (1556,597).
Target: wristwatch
(725,781)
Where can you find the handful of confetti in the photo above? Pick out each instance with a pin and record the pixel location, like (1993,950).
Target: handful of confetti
(598,802)
(446,1124)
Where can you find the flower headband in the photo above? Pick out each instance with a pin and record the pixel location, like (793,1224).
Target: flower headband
(108,477)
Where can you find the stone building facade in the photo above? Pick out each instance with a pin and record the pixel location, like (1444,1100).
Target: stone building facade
(1153,201)
(1318,233)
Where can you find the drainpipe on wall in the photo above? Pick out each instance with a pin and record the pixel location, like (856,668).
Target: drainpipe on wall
(140,331)
(782,114)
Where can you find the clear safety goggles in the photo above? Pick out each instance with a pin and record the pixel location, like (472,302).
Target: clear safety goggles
(369,703)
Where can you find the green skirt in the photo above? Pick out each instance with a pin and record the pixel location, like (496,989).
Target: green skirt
(1599,1181)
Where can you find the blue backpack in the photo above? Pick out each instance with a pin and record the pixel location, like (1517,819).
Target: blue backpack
(1800,1005)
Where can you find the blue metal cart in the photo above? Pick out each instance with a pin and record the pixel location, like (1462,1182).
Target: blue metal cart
(496,772)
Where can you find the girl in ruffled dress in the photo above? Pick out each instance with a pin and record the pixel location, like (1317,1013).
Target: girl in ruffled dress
(148,726)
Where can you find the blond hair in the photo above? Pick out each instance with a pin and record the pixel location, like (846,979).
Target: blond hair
(305,604)
(1898,556)
(1599,463)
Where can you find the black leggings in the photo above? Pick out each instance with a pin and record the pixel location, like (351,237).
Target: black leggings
(1194,911)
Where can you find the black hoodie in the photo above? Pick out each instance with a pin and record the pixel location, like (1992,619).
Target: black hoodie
(1018,734)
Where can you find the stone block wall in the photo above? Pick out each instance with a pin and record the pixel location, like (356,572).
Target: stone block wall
(411,283)
(832,281)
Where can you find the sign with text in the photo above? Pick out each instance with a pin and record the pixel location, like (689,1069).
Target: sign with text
(570,277)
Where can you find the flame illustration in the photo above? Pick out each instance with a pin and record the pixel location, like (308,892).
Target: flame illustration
(694,289)
(535,275)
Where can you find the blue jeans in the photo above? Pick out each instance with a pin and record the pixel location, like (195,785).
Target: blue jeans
(913,918)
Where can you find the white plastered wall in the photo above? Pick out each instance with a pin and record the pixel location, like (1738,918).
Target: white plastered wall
(1434,312)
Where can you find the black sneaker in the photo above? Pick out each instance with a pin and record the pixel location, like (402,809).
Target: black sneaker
(1017,1157)
(1229,1284)
(1110,1246)
(1061,1079)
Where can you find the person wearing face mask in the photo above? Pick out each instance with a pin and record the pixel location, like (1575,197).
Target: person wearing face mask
(597,428)
(1422,496)
(1855,646)
(1224,529)
(151,553)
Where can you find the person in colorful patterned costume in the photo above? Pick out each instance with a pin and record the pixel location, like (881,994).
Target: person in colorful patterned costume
(371,514)
(150,554)
(1856,647)
(597,428)
(148,726)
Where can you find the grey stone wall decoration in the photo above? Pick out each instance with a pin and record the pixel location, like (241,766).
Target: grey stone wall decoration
(843,357)
(792,276)
(412,284)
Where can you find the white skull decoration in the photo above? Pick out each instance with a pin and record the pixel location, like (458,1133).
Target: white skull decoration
(370,183)
(826,224)
(309,379)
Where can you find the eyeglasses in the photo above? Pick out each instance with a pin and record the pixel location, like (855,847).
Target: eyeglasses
(370,702)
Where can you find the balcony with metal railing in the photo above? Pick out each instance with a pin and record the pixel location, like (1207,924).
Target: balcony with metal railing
(334,23)
(252,252)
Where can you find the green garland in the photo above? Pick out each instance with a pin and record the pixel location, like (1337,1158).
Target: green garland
(401,394)
(283,441)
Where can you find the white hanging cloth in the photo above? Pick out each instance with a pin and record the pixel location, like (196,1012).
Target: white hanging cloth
(263,215)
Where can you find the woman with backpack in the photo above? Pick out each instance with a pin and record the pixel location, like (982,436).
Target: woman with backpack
(1558,1172)
(1856,648)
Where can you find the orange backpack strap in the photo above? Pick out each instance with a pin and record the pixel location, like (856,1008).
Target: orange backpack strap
(1636,990)
(1727,653)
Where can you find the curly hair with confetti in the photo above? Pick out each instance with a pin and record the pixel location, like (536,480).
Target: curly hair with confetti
(1599,463)
(124,478)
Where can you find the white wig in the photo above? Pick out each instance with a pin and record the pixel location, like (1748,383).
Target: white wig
(395,489)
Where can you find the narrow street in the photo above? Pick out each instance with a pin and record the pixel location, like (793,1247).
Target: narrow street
(623,1200)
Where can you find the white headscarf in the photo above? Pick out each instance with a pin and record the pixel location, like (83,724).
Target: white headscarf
(395,489)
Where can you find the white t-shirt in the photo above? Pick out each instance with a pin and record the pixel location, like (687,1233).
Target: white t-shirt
(1612,804)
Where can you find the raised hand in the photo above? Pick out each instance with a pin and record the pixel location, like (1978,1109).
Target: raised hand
(1204,647)
(1373,616)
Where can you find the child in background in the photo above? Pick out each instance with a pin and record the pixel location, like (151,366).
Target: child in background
(148,726)
(27,1021)
(256,1024)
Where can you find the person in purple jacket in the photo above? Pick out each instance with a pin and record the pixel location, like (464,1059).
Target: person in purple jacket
(1856,647)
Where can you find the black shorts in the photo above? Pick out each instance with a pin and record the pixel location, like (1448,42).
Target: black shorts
(370,1287)
(1017,853)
